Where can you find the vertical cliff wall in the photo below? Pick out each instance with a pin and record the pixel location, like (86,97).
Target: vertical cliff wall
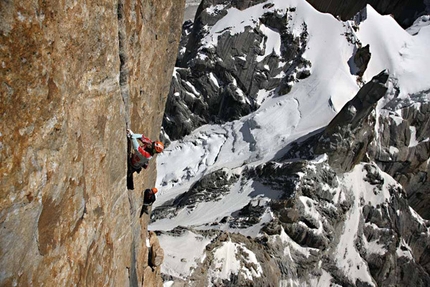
(73,75)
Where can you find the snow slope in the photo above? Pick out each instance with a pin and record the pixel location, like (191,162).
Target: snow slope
(310,105)
(347,255)
(406,56)
(182,253)
(282,119)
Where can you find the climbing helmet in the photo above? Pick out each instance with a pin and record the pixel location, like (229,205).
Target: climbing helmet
(158,146)
(154,190)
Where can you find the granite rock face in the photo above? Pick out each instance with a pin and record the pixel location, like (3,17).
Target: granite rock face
(402,147)
(396,138)
(348,135)
(219,83)
(341,206)
(73,77)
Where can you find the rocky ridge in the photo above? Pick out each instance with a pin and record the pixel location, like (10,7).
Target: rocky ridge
(219,83)
(350,198)
(405,12)
(73,77)
(321,218)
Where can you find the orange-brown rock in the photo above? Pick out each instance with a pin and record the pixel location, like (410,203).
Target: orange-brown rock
(73,76)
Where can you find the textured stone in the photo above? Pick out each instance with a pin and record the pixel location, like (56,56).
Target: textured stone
(157,253)
(218,84)
(74,75)
(361,59)
(313,224)
(404,11)
(402,148)
(347,136)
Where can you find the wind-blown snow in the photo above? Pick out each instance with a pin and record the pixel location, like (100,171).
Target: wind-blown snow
(375,248)
(290,243)
(226,262)
(250,260)
(206,212)
(310,105)
(259,136)
(214,79)
(413,141)
(254,139)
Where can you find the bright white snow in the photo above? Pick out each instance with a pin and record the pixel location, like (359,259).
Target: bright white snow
(405,56)
(227,261)
(182,253)
(311,104)
(347,255)
(272,43)
(264,134)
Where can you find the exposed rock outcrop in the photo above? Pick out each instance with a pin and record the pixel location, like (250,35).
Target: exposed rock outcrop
(361,59)
(338,212)
(218,83)
(348,135)
(74,75)
(324,230)
(405,12)
(402,147)
(397,139)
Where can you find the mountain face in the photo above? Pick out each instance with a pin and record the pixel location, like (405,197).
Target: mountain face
(405,12)
(74,75)
(222,81)
(313,169)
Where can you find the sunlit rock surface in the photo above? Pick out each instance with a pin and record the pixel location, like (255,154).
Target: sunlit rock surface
(74,75)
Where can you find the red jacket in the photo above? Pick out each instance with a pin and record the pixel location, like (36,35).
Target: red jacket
(143,153)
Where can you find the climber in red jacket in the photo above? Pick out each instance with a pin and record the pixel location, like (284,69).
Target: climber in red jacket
(144,152)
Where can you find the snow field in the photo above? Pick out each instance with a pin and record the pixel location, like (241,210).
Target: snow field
(264,134)
(186,251)
(311,104)
(227,262)
(204,213)
(182,253)
(404,55)
(347,255)
(291,244)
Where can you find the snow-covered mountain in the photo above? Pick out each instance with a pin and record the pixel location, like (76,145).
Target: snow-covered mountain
(306,153)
